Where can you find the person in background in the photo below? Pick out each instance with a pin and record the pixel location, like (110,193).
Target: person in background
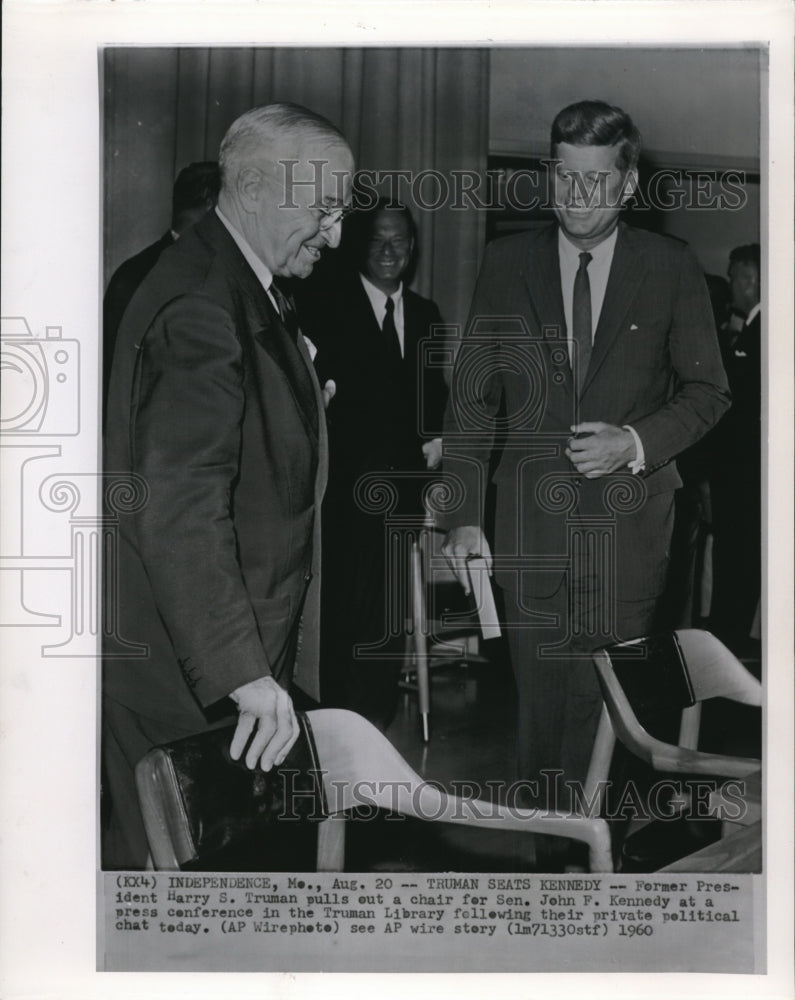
(369,328)
(736,458)
(690,574)
(194,194)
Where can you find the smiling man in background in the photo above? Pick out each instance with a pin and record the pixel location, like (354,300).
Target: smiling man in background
(369,327)
(616,370)
(214,404)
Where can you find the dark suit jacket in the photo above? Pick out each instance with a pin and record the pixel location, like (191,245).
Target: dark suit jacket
(655,365)
(737,440)
(382,412)
(217,408)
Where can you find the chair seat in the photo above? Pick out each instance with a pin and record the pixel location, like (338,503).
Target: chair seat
(357,767)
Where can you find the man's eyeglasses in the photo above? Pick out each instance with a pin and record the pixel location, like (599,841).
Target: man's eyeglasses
(331,216)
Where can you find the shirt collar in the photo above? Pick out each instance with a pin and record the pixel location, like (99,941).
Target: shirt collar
(377,297)
(600,254)
(262,271)
(753,313)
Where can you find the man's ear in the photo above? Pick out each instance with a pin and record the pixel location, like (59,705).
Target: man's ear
(250,184)
(629,185)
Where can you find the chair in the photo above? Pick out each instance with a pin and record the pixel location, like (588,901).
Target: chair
(360,767)
(450,634)
(676,671)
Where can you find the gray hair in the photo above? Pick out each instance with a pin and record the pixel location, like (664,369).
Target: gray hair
(250,137)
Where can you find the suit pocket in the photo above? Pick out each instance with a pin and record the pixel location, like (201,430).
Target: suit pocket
(663,480)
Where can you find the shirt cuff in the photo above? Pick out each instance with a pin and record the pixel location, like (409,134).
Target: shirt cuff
(638,464)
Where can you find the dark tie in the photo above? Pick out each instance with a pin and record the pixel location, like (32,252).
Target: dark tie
(286,310)
(389,331)
(581,319)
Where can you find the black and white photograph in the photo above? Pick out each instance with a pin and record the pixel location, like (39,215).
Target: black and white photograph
(409,520)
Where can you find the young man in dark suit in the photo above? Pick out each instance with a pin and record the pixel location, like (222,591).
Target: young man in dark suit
(370,327)
(214,407)
(591,348)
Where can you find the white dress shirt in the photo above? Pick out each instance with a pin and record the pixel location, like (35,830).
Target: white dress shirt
(378,302)
(262,271)
(598,273)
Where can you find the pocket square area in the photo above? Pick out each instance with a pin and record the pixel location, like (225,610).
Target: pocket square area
(633,326)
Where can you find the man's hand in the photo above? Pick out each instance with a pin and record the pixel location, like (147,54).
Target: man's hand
(432,450)
(459,545)
(603,449)
(328,392)
(267,707)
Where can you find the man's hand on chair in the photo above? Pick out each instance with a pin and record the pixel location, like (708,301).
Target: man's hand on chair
(266,707)
(462,543)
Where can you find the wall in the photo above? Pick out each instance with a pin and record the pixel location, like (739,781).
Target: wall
(696,109)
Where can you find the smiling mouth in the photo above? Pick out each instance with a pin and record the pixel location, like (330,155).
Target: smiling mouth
(313,252)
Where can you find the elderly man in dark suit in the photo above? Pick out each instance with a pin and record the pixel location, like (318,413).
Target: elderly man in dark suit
(370,329)
(591,353)
(215,405)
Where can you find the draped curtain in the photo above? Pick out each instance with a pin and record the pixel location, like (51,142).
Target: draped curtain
(402,109)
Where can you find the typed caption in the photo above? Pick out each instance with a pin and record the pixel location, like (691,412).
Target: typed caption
(484,922)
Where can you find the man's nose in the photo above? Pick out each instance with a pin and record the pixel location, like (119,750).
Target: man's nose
(333,234)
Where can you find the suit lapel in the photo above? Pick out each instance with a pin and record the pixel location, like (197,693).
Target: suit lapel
(376,345)
(411,330)
(542,279)
(265,324)
(626,274)
(366,321)
(293,359)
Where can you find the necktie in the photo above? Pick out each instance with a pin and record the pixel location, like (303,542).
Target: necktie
(389,331)
(286,310)
(581,319)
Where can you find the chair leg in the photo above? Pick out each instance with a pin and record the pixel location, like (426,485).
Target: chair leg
(331,844)
(599,766)
(420,641)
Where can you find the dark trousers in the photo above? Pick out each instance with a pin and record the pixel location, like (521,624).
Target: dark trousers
(365,601)
(126,738)
(355,616)
(737,552)
(558,696)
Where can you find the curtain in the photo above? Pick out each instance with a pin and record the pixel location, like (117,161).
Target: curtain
(402,109)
